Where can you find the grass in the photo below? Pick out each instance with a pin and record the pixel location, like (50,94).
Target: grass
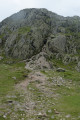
(2,35)
(71,103)
(59,63)
(23,30)
(10,75)
(68,102)
(70,73)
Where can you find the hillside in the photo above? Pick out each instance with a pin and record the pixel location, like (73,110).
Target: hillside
(31,31)
(39,66)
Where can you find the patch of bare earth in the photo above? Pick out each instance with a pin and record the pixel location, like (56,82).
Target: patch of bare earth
(30,105)
(32,77)
(37,92)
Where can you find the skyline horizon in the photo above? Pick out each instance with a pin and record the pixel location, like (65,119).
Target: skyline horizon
(39,8)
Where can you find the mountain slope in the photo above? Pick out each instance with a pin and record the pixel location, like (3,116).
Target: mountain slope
(32,31)
(49,45)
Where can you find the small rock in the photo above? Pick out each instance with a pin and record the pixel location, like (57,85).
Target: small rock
(43,115)
(4,116)
(52,117)
(68,116)
(10,101)
(49,111)
(27,108)
(56,112)
(60,70)
(40,114)
(25,75)
(14,78)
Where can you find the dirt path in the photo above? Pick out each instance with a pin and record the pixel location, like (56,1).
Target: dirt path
(33,76)
(36,98)
(30,97)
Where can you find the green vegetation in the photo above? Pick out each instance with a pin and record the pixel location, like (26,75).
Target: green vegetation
(2,35)
(68,102)
(11,72)
(51,94)
(8,30)
(71,103)
(23,30)
(52,97)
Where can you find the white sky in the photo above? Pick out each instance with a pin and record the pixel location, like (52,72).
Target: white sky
(61,7)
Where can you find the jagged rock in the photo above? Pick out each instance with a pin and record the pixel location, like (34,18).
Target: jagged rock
(78,67)
(67,59)
(39,61)
(31,31)
(75,59)
(57,44)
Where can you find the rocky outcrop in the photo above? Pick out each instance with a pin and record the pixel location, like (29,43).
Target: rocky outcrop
(78,67)
(31,31)
(39,61)
(57,44)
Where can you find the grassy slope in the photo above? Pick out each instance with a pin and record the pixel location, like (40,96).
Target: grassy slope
(68,102)
(10,75)
(7,74)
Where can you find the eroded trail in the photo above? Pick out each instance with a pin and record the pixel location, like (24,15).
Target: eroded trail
(38,97)
(31,90)
(41,96)
(35,76)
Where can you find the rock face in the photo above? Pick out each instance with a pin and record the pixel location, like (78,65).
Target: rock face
(57,44)
(32,31)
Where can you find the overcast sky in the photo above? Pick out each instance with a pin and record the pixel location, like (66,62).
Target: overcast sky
(61,7)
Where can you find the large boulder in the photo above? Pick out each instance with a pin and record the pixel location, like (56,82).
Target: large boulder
(39,61)
(57,43)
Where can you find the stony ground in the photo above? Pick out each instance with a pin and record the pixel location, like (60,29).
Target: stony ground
(37,98)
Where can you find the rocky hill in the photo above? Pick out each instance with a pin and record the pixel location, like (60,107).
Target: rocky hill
(39,56)
(32,31)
